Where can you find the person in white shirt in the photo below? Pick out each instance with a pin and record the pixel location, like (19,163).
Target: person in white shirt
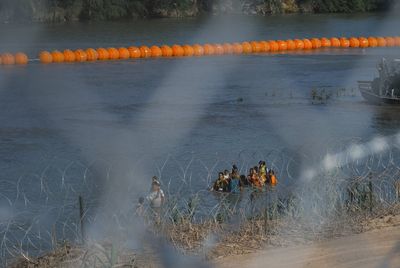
(156,196)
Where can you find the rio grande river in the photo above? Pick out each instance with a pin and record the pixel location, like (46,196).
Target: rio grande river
(125,118)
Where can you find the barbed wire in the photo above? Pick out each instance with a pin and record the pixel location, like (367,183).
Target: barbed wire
(38,211)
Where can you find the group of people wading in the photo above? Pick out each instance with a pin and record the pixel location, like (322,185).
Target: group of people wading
(232,182)
(227,182)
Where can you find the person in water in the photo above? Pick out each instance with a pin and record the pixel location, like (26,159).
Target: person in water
(273,181)
(262,167)
(221,184)
(234,183)
(156,196)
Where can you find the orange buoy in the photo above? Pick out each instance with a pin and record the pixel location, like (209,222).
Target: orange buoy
(166,51)
(372,41)
(344,42)
(299,44)
(134,52)
(307,44)
(44,56)
(255,47)
(316,43)
(208,49)
(69,55)
(354,42)
(237,48)
(7,59)
(363,42)
(325,42)
(188,51)
(80,55)
(145,52)
(219,49)
(21,58)
(390,41)
(335,42)
(58,57)
(264,46)
(155,51)
(228,48)
(92,54)
(273,46)
(282,45)
(123,53)
(381,41)
(397,41)
(198,50)
(103,54)
(290,44)
(113,53)
(177,51)
(247,47)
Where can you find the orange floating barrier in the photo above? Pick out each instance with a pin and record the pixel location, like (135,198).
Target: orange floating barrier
(228,48)
(198,50)
(103,54)
(237,48)
(264,46)
(219,49)
(246,47)
(7,59)
(273,46)
(155,51)
(307,44)
(80,55)
(282,45)
(145,52)
(44,56)
(325,42)
(381,41)
(335,42)
(290,44)
(344,42)
(397,41)
(316,43)
(299,44)
(177,51)
(354,42)
(21,58)
(363,42)
(92,54)
(372,42)
(113,53)
(208,49)
(166,51)
(188,51)
(123,53)
(255,47)
(58,57)
(390,41)
(134,52)
(69,55)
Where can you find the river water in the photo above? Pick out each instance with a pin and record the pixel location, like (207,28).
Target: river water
(132,115)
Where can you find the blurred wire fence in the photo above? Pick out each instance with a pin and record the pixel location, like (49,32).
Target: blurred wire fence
(38,212)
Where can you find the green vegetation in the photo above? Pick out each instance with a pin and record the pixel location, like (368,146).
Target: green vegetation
(66,10)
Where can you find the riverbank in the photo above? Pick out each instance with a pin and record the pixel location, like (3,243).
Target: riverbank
(59,10)
(340,243)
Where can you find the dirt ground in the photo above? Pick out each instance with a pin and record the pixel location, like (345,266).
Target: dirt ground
(375,248)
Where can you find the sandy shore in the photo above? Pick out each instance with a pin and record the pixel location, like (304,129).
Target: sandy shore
(376,248)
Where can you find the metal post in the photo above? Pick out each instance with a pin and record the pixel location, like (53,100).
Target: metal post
(81,216)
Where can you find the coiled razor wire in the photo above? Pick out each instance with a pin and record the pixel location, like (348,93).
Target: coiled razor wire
(38,211)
